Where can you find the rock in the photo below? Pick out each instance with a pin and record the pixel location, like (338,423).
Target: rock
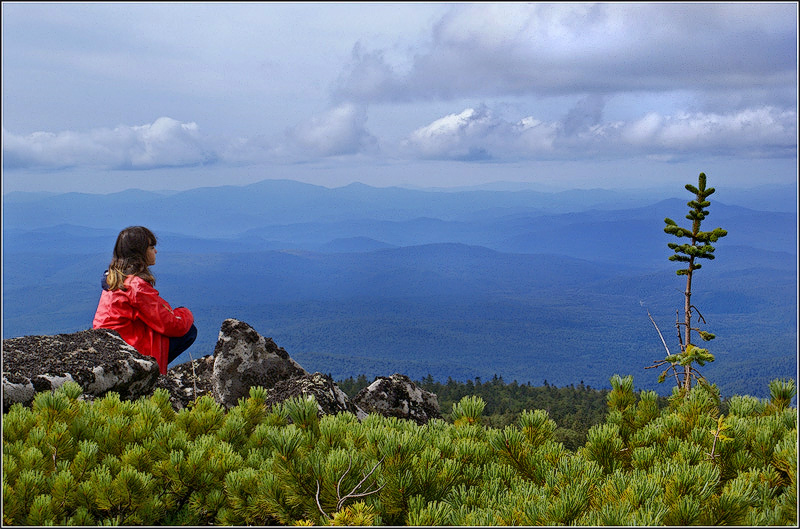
(99,360)
(243,359)
(330,399)
(398,396)
(188,381)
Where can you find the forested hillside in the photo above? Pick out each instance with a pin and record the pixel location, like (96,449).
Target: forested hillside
(464,284)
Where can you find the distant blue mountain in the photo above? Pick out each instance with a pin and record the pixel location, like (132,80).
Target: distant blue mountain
(229,210)
(526,284)
(353,244)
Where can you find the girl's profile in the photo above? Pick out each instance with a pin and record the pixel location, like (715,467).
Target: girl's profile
(130,304)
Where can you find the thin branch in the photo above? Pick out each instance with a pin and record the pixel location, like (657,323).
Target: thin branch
(353,493)
(678,326)
(194,376)
(675,374)
(713,455)
(699,315)
(349,466)
(341,501)
(659,363)
(359,495)
(320,506)
(55,455)
(699,377)
(658,331)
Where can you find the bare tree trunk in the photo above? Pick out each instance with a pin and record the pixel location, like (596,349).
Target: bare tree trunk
(687,312)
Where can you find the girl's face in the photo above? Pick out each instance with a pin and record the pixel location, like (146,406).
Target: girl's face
(151,255)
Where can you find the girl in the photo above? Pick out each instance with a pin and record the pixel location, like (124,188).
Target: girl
(130,304)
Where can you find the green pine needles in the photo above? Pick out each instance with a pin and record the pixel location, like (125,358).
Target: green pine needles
(688,254)
(67,461)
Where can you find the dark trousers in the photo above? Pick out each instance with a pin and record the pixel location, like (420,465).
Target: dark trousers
(179,344)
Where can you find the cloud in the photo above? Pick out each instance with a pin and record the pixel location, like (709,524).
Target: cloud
(465,136)
(480,134)
(338,131)
(170,143)
(474,134)
(483,49)
(587,113)
(164,143)
(368,74)
(760,132)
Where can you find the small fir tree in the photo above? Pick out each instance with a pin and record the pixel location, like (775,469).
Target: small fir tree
(689,253)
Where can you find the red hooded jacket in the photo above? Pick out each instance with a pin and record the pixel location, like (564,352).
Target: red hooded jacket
(142,318)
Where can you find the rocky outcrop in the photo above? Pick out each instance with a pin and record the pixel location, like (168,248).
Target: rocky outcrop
(187,382)
(97,359)
(244,359)
(100,362)
(398,396)
(330,399)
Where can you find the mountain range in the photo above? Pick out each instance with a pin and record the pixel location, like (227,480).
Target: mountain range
(530,285)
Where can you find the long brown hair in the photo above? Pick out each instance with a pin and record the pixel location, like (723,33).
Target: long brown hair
(130,257)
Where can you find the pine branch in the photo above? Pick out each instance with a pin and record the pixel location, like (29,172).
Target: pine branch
(659,363)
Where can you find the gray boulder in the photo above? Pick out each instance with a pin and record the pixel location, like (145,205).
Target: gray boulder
(397,396)
(99,360)
(330,399)
(187,382)
(244,359)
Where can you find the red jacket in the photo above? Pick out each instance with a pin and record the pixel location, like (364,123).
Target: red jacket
(142,318)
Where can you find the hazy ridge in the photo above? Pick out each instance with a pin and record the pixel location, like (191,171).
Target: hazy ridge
(526,284)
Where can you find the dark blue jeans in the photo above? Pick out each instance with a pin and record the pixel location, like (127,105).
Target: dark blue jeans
(179,344)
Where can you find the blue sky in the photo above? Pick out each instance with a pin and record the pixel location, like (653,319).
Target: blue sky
(102,97)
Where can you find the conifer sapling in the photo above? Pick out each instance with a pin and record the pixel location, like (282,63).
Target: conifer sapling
(689,253)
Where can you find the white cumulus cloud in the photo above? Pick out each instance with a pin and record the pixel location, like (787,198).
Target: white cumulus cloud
(164,143)
(338,131)
(475,134)
(764,131)
(463,136)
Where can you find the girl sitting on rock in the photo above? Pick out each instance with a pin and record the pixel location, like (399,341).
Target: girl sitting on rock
(130,304)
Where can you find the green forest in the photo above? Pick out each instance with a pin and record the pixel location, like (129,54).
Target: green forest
(574,409)
(67,461)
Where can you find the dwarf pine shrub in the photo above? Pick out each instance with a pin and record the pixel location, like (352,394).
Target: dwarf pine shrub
(112,462)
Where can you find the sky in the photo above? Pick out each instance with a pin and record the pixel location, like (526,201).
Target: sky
(104,97)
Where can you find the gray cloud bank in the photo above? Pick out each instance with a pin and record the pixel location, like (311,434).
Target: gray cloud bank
(474,134)
(737,61)
(577,48)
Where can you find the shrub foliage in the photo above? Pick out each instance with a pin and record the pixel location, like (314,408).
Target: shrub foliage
(112,462)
